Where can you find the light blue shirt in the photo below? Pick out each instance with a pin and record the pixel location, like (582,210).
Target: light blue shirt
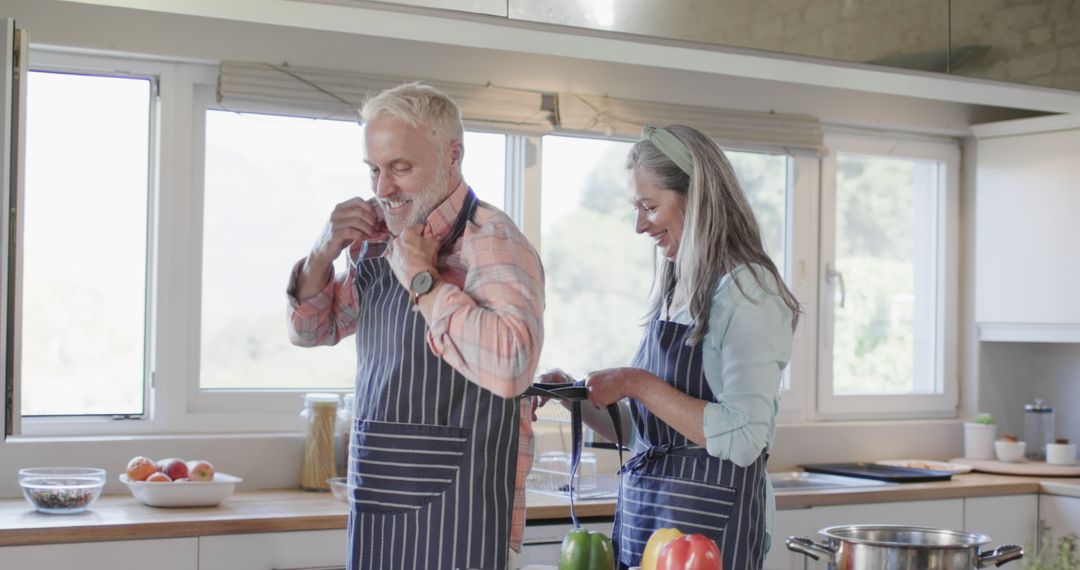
(744,352)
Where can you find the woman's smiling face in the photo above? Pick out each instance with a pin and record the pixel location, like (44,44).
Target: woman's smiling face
(661,212)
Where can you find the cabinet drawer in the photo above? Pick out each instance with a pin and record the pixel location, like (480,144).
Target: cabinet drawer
(273,550)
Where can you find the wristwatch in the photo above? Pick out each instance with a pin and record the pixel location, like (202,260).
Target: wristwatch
(420,285)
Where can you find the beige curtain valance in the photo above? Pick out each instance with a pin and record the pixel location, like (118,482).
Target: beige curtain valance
(323,93)
(744,130)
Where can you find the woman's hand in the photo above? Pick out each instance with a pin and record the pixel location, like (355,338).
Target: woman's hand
(612,384)
(552,376)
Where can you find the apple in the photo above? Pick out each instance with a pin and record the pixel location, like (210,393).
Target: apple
(139,468)
(158,477)
(200,470)
(173,467)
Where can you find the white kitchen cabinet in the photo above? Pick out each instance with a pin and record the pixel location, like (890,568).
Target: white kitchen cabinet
(1026,230)
(1059,516)
(1006,520)
(542,543)
(163,554)
(793,522)
(273,550)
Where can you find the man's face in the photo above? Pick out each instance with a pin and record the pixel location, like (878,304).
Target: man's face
(410,171)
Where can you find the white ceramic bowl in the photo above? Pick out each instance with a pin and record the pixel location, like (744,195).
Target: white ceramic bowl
(1009,451)
(1061,453)
(183,493)
(61,490)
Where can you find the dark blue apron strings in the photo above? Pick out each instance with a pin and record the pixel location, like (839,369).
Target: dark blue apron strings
(575,392)
(658,452)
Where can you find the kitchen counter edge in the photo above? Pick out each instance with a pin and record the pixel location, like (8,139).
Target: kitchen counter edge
(120,517)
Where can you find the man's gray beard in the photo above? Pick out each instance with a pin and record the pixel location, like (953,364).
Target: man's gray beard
(425,203)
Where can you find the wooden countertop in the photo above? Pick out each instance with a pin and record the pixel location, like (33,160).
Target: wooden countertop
(121,517)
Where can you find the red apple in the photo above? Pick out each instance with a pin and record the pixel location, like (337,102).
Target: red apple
(173,467)
(158,477)
(139,468)
(200,470)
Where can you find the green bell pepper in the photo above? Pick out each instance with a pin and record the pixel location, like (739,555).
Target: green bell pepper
(585,550)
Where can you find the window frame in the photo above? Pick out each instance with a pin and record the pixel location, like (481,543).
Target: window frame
(907,406)
(260,410)
(175,404)
(44,60)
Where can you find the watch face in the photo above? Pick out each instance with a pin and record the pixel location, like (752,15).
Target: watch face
(421,282)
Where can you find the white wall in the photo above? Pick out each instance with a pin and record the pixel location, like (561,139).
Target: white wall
(1058,382)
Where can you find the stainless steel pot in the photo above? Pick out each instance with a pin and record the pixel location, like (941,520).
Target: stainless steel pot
(897,547)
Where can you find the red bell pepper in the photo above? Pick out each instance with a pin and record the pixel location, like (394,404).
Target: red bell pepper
(690,552)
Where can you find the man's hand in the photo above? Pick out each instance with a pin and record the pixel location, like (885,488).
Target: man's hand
(352,222)
(413,251)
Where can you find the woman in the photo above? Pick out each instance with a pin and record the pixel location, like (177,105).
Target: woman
(704,385)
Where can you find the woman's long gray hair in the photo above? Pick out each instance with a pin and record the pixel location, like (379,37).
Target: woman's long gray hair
(720,231)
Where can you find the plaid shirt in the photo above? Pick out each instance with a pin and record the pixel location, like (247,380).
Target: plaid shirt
(487,318)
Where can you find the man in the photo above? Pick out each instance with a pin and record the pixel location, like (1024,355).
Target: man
(449,325)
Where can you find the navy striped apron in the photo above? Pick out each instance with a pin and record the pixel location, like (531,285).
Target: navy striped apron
(433,456)
(673,483)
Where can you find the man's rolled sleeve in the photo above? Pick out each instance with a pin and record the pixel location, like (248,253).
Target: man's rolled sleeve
(326,317)
(491,330)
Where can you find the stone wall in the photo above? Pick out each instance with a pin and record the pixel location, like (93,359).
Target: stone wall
(1024,41)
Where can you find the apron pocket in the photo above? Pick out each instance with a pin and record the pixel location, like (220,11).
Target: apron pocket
(397,467)
(649,502)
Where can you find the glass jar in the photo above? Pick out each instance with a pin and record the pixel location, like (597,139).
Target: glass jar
(343,435)
(1038,429)
(320,415)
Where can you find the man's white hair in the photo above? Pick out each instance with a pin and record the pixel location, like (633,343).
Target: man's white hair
(419,106)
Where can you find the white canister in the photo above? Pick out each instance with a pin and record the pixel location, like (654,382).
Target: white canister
(979,440)
(1061,453)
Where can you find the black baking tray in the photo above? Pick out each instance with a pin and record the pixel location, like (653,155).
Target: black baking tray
(880,472)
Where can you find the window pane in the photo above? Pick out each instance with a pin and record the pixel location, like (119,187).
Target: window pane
(763,178)
(271,183)
(886,239)
(598,270)
(484,166)
(85,244)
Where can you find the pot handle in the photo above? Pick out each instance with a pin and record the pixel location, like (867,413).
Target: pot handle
(810,548)
(1001,555)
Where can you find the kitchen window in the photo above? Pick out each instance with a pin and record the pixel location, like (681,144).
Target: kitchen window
(888,263)
(204,206)
(598,271)
(269,185)
(85,277)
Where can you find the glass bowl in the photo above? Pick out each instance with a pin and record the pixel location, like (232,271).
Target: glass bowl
(61,490)
(339,486)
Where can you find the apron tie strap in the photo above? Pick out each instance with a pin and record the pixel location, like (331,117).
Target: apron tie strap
(575,392)
(658,452)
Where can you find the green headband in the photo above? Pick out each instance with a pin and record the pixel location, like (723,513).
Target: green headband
(671,146)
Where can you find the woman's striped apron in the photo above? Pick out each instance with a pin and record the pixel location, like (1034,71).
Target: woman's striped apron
(433,456)
(673,483)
